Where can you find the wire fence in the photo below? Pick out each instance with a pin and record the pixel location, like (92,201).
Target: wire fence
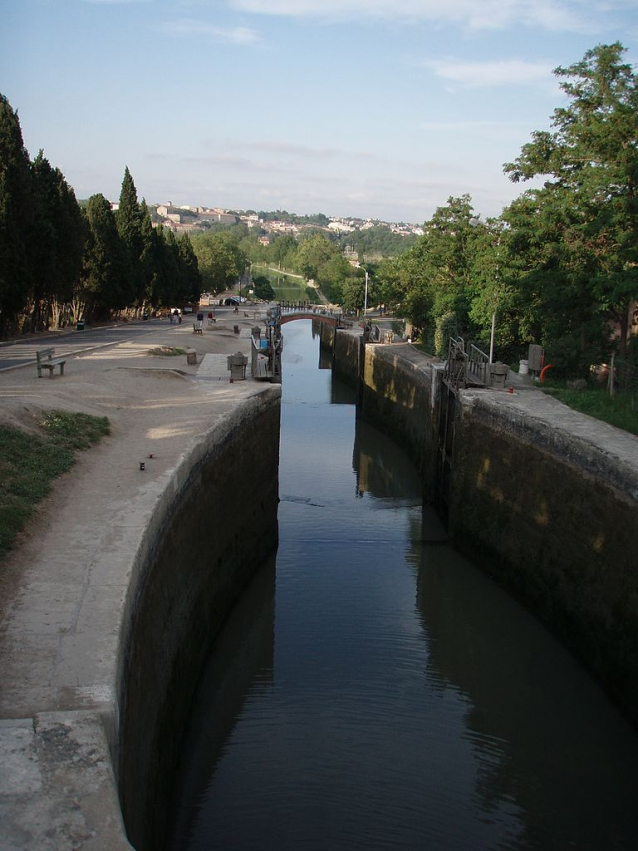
(623,378)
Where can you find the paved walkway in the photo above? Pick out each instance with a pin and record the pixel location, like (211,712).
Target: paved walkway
(531,400)
(62,589)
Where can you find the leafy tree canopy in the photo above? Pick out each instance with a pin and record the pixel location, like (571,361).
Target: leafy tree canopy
(590,162)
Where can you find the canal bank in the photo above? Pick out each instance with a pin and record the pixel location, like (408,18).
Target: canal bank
(545,497)
(88,671)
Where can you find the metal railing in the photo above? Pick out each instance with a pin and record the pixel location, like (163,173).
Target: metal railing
(455,372)
(478,365)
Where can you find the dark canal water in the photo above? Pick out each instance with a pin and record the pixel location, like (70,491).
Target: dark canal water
(373,691)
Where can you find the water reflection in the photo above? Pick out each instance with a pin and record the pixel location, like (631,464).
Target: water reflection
(545,738)
(381,470)
(391,696)
(243,660)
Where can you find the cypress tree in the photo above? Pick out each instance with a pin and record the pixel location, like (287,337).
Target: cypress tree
(171,268)
(105,260)
(12,263)
(129,225)
(15,218)
(58,243)
(192,280)
(71,238)
(43,246)
(149,257)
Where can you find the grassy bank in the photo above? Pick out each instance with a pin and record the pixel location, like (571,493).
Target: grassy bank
(620,411)
(29,463)
(287,286)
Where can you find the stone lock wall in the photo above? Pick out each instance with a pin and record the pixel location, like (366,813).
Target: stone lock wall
(551,514)
(214,528)
(400,393)
(346,355)
(554,518)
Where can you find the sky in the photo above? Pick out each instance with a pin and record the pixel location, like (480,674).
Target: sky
(368,108)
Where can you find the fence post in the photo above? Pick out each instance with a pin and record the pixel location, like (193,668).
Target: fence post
(611,375)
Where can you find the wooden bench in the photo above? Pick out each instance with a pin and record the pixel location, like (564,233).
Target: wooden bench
(44,360)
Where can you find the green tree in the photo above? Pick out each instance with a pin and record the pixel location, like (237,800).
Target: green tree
(189,268)
(171,268)
(282,247)
(70,227)
(333,277)
(377,241)
(491,290)
(220,259)
(57,244)
(129,220)
(16,197)
(42,240)
(550,282)
(150,259)
(159,263)
(434,277)
(105,262)
(590,197)
(313,253)
(253,249)
(263,288)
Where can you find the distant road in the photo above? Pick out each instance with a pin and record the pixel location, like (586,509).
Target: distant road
(281,272)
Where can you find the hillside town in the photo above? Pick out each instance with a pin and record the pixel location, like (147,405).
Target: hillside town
(188,219)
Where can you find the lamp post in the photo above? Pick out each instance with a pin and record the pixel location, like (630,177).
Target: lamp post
(496,274)
(474,222)
(492,334)
(365,296)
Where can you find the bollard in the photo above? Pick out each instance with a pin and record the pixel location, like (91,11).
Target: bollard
(498,374)
(237,366)
(191,357)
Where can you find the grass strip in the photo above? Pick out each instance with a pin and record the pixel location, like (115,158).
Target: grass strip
(620,410)
(30,462)
(166,352)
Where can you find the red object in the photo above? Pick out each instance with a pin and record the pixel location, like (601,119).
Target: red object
(510,389)
(544,370)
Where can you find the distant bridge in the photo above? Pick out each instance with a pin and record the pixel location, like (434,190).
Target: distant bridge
(337,320)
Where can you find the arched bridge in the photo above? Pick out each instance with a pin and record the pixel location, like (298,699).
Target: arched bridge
(337,320)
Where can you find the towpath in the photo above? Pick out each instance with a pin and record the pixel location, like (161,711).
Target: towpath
(62,587)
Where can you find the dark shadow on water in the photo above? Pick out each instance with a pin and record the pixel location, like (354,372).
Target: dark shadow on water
(243,657)
(548,743)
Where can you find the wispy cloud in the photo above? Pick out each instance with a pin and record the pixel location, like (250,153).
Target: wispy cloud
(553,15)
(508,72)
(292,149)
(191,28)
(465,126)
(113,2)
(480,132)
